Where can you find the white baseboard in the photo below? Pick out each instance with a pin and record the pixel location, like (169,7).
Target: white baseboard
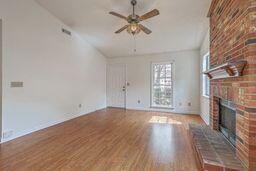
(43,126)
(206,120)
(166,110)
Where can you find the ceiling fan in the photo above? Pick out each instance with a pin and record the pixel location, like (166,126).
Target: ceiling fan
(134,27)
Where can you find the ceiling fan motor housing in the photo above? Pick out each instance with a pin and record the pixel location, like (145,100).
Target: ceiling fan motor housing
(133,19)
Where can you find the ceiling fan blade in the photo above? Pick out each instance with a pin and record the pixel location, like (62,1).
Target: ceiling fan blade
(145,29)
(118,15)
(150,14)
(122,29)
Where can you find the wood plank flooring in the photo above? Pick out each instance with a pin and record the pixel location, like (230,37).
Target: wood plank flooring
(106,140)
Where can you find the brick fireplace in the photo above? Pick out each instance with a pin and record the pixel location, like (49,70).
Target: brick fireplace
(233,38)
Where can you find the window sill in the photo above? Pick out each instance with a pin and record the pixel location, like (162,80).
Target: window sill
(205,96)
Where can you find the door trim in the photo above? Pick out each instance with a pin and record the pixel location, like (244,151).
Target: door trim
(1,82)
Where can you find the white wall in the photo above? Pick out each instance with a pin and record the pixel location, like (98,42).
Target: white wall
(59,72)
(186,80)
(205,101)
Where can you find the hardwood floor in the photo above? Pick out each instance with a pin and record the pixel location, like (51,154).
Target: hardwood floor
(107,140)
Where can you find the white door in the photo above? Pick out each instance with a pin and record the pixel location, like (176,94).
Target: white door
(116,85)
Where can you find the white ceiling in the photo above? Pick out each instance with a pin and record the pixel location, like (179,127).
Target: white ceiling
(181,24)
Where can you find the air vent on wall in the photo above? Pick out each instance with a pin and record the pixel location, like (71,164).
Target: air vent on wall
(66,31)
(16,84)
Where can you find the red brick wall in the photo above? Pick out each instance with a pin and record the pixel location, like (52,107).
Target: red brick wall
(233,38)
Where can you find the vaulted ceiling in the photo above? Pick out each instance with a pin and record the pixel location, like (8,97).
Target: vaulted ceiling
(181,24)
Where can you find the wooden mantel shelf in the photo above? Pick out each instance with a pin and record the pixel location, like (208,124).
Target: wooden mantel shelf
(227,70)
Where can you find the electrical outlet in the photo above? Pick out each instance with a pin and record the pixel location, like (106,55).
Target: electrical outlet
(7,134)
(138,101)
(189,104)
(80,105)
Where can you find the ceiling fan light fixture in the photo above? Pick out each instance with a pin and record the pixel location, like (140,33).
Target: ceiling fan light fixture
(133,29)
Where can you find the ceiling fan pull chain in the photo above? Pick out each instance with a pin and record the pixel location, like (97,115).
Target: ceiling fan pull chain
(135,45)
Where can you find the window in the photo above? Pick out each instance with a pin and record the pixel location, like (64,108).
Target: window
(162,85)
(206,81)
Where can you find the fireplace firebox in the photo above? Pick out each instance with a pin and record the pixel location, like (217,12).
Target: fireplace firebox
(227,120)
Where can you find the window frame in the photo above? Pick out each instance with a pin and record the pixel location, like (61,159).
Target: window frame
(205,79)
(152,84)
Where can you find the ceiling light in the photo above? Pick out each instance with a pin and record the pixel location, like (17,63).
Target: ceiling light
(133,28)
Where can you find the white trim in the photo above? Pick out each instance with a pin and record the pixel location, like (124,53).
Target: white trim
(205,119)
(206,96)
(151,83)
(1,81)
(204,77)
(171,111)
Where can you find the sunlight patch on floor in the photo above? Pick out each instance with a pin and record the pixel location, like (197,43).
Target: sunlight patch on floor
(164,120)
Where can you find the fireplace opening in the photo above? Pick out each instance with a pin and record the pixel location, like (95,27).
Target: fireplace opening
(227,120)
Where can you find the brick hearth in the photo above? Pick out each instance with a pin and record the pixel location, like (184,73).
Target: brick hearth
(213,150)
(233,38)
